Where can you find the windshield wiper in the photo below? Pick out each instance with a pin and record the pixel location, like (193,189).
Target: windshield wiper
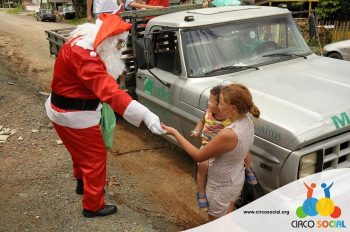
(284,54)
(230,67)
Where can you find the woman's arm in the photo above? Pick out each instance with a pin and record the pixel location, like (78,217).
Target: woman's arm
(226,140)
(141,5)
(89,16)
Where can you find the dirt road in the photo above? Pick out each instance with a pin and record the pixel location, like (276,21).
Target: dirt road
(149,179)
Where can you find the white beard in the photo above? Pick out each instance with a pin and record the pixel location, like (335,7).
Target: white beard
(111,56)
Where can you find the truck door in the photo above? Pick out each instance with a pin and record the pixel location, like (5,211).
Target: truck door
(162,100)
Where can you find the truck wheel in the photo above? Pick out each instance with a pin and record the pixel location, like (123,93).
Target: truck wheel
(335,55)
(249,193)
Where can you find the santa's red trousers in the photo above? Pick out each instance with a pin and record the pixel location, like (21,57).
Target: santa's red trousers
(89,154)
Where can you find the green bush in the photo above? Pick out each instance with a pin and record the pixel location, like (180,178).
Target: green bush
(76,21)
(333,10)
(16,10)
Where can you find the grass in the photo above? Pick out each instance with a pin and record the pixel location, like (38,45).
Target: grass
(76,21)
(315,46)
(16,10)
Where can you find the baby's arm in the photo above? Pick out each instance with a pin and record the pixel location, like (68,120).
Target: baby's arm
(197,130)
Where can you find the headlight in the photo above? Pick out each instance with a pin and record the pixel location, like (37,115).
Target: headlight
(307,164)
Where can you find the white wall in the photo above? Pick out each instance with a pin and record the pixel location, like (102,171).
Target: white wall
(34,8)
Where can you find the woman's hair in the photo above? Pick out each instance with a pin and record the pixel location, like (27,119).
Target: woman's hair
(240,96)
(215,91)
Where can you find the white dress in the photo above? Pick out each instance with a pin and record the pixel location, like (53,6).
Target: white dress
(226,172)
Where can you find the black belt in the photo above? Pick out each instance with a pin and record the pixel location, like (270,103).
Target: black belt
(67,103)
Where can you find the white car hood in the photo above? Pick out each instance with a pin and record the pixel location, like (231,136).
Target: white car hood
(300,100)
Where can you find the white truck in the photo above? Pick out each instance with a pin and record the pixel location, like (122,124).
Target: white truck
(176,58)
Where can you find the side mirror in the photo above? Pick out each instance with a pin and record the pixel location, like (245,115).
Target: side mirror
(144,53)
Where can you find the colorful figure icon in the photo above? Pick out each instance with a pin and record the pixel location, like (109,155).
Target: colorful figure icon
(310,190)
(327,193)
(313,206)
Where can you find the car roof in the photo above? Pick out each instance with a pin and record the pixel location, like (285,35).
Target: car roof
(215,15)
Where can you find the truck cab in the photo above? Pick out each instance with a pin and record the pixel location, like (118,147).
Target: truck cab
(304,125)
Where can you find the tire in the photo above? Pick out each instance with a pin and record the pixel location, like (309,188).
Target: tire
(335,55)
(249,193)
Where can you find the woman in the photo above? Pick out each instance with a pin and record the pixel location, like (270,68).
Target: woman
(226,152)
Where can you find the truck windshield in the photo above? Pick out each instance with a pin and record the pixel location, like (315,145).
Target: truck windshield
(207,49)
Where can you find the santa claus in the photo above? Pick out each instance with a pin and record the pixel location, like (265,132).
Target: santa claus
(85,75)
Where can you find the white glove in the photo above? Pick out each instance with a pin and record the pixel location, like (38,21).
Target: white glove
(153,123)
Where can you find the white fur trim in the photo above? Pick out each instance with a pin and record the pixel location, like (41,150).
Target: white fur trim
(98,22)
(86,35)
(76,119)
(135,113)
(85,44)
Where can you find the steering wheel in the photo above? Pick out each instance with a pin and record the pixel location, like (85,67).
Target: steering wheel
(249,38)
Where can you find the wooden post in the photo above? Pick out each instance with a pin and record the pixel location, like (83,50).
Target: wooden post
(310,7)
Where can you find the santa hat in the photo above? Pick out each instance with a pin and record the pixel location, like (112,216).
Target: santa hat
(109,25)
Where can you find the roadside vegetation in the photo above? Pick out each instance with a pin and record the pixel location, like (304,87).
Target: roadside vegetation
(333,10)
(76,21)
(16,10)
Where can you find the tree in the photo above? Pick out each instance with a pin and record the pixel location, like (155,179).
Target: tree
(80,8)
(333,10)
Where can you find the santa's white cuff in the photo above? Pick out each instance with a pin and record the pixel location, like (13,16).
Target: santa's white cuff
(135,113)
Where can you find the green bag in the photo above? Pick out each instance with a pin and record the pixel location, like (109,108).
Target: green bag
(108,123)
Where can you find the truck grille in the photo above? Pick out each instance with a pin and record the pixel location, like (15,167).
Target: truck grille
(337,156)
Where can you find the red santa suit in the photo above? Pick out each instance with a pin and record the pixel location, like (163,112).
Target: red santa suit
(80,82)
(164,3)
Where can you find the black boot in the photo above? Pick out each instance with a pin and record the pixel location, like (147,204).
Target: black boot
(107,210)
(80,187)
